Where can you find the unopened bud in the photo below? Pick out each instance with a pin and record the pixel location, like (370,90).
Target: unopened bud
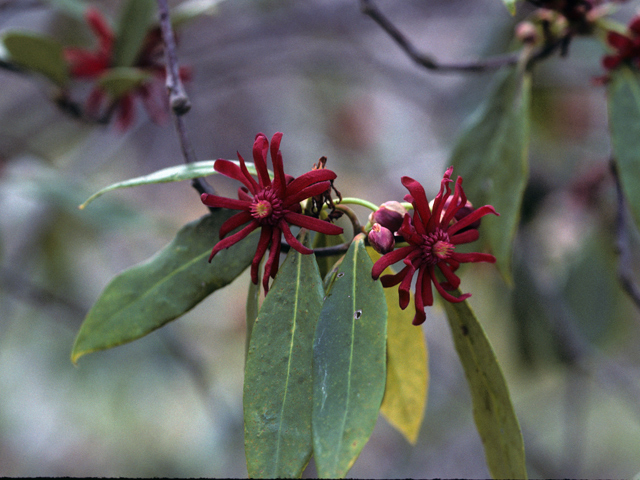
(527,32)
(389,215)
(381,239)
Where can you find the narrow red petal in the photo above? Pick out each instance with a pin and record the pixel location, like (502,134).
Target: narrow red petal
(393,280)
(404,290)
(467,236)
(271,267)
(420,202)
(260,149)
(427,291)
(263,244)
(389,259)
(617,40)
(443,293)
(473,257)
(234,222)
(236,237)
(420,316)
(126,112)
(223,202)
(312,223)
(309,178)
(472,217)
(307,192)
(292,241)
(451,277)
(231,170)
(279,180)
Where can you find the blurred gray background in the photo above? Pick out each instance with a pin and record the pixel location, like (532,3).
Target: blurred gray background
(320,71)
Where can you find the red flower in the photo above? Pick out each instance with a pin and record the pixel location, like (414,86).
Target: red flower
(627,47)
(92,64)
(432,236)
(273,206)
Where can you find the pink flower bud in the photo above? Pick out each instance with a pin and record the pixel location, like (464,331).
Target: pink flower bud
(389,215)
(381,239)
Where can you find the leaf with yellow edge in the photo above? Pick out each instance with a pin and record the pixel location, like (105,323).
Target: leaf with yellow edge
(405,395)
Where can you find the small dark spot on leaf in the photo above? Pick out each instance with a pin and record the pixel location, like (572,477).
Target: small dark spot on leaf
(357,314)
(340,275)
(465,330)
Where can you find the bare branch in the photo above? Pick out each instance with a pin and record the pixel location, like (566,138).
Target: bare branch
(178,99)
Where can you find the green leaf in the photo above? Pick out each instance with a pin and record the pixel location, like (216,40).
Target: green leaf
(325,263)
(146,296)
(491,156)
(252,308)
(176,173)
(73,8)
(278,384)
(511,6)
(349,364)
(405,395)
(38,54)
(121,80)
(624,121)
(493,411)
(136,18)
(192,9)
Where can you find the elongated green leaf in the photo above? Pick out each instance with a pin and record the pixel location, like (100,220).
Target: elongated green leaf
(145,297)
(252,309)
(405,394)
(39,54)
(176,173)
(511,5)
(136,18)
(624,123)
(349,364)
(491,156)
(192,9)
(278,384)
(326,263)
(493,411)
(121,80)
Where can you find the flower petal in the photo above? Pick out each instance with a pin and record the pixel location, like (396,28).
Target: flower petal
(263,244)
(309,178)
(420,315)
(389,259)
(451,277)
(260,149)
(292,241)
(447,296)
(420,202)
(440,200)
(467,236)
(473,257)
(307,192)
(223,202)
(390,280)
(279,181)
(271,267)
(236,237)
(472,217)
(312,223)
(234,222)
(231,170)
(427,291)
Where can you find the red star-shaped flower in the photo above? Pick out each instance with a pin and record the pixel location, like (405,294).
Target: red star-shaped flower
(432,235)
(92,64)
(627,47)
(271,205)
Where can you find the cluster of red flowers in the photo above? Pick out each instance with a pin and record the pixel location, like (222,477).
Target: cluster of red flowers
(92,64)
(431,235)
(627,47)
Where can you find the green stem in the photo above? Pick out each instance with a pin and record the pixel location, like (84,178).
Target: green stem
(358,201)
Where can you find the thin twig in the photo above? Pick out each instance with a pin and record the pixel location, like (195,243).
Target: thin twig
(178,98)
(492,63)
(625,271)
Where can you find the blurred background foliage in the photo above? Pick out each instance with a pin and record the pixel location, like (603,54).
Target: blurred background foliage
(170,404)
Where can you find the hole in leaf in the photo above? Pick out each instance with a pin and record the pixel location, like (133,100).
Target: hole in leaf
(358,314)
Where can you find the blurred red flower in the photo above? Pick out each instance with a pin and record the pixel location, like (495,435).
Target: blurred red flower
(270,205)
(432,235)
